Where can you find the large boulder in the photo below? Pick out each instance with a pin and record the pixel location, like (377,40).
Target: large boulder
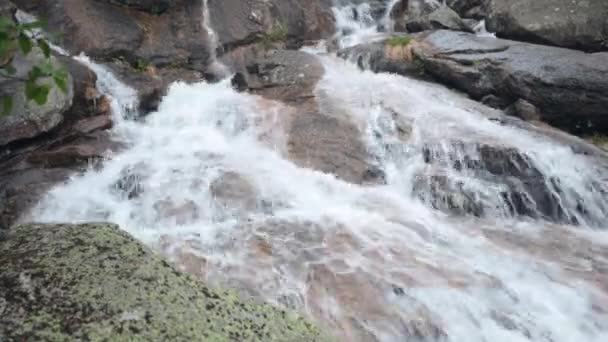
(107,32)
(27,119)
(239,22)
(577,24)
(421,15)
(568,87)
(95,282)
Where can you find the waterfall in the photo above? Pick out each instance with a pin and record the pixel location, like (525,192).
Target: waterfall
(206,181)
(215,66)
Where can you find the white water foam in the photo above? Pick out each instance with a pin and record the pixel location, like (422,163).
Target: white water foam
(216,67)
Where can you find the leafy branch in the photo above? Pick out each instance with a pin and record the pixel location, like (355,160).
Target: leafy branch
(23,37)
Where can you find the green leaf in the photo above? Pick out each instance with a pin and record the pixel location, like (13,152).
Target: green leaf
(5,45)
(30,88)
(25,43)
(62,83)
(44,46)
(36,73)
(7,105)
(46,68)
(42,94)
(38,94)
(6,24)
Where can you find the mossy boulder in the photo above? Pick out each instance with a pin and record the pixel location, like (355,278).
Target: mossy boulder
(95,282)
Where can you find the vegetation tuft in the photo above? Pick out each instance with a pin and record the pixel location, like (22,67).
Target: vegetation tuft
(279,33)
(399,41)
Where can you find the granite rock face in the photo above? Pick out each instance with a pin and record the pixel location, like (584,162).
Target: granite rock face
(95,282)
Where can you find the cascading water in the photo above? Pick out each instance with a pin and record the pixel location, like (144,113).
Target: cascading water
(206,181)
(215,66)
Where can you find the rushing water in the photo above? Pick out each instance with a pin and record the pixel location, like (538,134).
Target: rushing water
(206,180)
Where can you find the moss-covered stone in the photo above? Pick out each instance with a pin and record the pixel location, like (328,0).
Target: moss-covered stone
(95,282)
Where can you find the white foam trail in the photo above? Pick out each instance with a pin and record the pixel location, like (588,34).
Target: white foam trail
(355,25)
(481,30)
(216,67)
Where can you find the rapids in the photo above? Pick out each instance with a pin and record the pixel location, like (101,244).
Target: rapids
(206,181)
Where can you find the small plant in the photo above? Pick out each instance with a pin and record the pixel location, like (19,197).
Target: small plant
(141,65)
(402,41)
(279,33)
(599,140)
(23,37)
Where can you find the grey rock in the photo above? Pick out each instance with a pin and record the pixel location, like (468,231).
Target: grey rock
(28,119)
(107,32)
(95,282)
(524,110)
(239,23)
(476,9)
(568,87)
(421,15)
(577,24)
(379,57)
(152,6)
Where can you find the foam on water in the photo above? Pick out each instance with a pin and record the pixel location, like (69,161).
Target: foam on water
(368,262)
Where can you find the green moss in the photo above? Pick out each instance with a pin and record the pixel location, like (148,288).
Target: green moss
(600,141)
(278,33)
(141,65)
(399,41)
(94,282)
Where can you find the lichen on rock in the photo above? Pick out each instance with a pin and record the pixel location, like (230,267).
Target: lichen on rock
(95,282)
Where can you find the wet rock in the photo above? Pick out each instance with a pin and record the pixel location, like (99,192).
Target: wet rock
(107,32)
(130,182)
(578,24)
(524,110)
(95,123)
(20,190)
(27,119)
(421,15)
(93,281)
(316,140)
(519,188)
(476,9)
(87,100)
(182,213)
(84,149)
(7,8)
(239,23)
(152,83)
(566,86)
(331,145)
(441,193)
(382,57)
(284,75)
(152,6)
(234,194)
(494,101)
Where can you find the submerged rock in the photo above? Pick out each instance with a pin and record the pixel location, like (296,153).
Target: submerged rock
(95,282)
